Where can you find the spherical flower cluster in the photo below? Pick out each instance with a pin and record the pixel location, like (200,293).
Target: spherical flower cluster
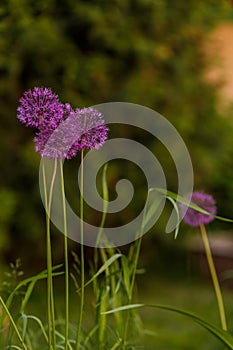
(195,218)
(40,108)
(89,123)
(61,131)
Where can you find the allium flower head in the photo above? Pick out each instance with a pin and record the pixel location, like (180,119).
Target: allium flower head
(84,128)
(61,131)
(40,108)
(92,131)
(204,201)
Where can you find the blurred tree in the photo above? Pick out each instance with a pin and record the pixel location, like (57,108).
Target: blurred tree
(94,51)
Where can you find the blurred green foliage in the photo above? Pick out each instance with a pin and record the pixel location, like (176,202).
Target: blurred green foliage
(94,51)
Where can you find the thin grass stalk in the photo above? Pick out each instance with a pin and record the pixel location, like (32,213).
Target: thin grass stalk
(104,214)
(50,298)
(138,248)
(13,324)
(214,277)
(82,254)
(101,319)
(135,264)
(66,258)
(103,219)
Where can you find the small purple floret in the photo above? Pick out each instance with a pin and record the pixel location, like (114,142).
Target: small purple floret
(193,217)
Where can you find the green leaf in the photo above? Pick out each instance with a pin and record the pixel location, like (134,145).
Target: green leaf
(33,280)
(149,213)
(177,213)
(27,295)
(115,346)
(90,334)
(126,273)
(104,267)
(189,204)
(224,336)
(25,323)
(124,308)
(13,323)
(105,207)
(39,322)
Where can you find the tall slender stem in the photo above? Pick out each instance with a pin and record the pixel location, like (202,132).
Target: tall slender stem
(138,248)
(50,299)
(214,277)
(135,264)
(82,254)
(48,258)
(66,258)
(138,244)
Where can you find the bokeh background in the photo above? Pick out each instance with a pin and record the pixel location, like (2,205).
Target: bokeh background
(172,56)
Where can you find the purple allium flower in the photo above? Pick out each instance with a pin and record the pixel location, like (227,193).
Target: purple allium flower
(40,108)
(62,132)
(90,129)
(84,128)
(195,218)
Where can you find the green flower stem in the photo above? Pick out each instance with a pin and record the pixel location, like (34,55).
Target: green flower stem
(82,255)
(66,258)
(13,324)
(214,277)
(50,299)
(101,320)
(135,264)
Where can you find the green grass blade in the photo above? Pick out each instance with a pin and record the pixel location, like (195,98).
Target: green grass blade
(39,276)
(90,335)
(104,267)
(24,328)
(115,346)
(126,273)
(178,215)
(27,296)
(124,308)
(224,336)
(189,204)
(61,336)
(13,324)
(33,280)
(150,212)
(105,208)
(39,322)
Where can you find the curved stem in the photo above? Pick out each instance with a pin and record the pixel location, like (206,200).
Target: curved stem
(66,258)
(214,277)
(82,255)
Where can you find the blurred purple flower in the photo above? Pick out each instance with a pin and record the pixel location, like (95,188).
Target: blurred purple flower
(195,218)
(89,124)
(41,108)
